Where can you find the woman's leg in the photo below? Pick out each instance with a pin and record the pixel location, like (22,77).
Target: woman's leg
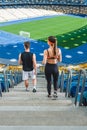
(55,78)
(48,78)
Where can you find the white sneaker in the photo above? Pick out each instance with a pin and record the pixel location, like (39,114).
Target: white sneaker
(27,90)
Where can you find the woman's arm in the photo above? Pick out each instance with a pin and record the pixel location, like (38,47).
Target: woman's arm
(59,55)
(44,57)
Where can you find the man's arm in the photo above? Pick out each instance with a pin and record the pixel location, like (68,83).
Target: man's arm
(19,59)
(34,62)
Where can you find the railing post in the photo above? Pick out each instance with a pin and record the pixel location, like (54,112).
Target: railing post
(77,88)
(0,90)
(6,81)
(83,87)
(15,77)
(62,81)
(11,78)
(69,78)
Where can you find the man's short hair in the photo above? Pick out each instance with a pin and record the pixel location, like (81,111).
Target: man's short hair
(27,44)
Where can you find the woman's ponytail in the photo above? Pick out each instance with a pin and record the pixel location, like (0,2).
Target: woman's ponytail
(53,40)
(55,46)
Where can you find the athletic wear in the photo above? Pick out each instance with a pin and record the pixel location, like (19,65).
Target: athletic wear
(27,74)
(51,70)
(27,61)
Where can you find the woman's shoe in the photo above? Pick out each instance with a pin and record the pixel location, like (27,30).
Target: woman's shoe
(34,90)
(55,95)
(49,95)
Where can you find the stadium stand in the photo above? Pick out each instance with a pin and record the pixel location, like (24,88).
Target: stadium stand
(45,1)
(72,80)
(12,14)
(11,10)
(64,6)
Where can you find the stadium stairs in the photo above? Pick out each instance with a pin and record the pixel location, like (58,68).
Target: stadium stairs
(27,110)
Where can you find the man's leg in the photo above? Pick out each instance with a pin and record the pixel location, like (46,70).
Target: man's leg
(34,81)
(26,84)
(34,84)
(25,78)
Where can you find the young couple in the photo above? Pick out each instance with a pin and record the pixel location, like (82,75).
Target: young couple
(51,57)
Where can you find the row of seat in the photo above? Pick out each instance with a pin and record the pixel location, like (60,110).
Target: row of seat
(9,79)
(45,1)
(30,11)
(11,14)
(74,84)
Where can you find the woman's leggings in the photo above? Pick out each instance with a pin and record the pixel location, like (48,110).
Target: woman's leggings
(51,70)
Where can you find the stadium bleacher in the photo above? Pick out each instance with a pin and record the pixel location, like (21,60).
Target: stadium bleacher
(64,6)
(13,14)
(21,10)
(45,1)
(18,108)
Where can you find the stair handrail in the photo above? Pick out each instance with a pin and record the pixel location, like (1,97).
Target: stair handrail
(69,79)
(0,90)
(82,71)
(62,81)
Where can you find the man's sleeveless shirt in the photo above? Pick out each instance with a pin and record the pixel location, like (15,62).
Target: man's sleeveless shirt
(27,61)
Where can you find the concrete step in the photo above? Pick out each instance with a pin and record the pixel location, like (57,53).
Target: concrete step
(43,127)
(18,96)
(21,108)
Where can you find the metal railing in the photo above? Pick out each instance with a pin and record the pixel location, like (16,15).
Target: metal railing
(82,72)
(62,81)
(0,91)
(68,83)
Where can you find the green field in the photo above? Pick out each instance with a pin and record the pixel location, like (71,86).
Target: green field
(70,31)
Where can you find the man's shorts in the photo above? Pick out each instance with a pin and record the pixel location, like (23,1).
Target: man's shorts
(28,74)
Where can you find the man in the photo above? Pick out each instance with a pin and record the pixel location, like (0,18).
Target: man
(28,61)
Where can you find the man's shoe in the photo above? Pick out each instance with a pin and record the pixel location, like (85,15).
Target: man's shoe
(34,90)
(27,90)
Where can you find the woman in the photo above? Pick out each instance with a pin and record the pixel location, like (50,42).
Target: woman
(51,56)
